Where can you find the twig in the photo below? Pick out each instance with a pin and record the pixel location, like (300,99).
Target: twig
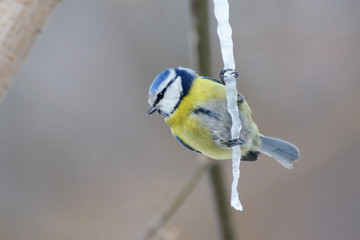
(216,177)
(158,221)
(200,20)
(201,25)
(21,21)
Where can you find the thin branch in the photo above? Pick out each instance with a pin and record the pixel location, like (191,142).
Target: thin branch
(21,21)
(200,19)
(158,221)
(200,24)
(216,177)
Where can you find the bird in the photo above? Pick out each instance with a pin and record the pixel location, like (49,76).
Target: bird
(195,109)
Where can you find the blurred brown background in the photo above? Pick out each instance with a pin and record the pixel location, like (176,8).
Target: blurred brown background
(80,159)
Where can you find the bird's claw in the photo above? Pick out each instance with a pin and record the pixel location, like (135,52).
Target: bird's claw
(240,98)
(223,71)
(233,142)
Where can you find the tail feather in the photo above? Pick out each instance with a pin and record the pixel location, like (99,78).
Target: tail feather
(284,152)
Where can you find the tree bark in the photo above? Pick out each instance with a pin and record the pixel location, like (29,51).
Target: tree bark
(21,21)
(200,20)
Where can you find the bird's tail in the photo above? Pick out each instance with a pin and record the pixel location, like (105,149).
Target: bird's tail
(284,152)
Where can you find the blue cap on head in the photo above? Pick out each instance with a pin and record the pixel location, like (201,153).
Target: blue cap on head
(158,80)
(186,75)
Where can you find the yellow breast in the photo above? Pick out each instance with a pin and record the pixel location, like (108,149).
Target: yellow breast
(187,126)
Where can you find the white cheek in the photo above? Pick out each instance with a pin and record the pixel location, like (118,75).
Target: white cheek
(172,96)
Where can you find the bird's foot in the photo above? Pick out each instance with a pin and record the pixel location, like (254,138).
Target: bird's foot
(240,98)
(223,71)
(232,142)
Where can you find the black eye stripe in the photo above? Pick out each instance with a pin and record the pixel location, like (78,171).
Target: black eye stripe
(159,97)
(162,93)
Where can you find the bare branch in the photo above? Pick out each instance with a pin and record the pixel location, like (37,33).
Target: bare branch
(158,221)
(21,21)
(200,21)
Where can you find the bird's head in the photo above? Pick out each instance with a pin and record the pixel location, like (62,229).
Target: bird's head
(168,89)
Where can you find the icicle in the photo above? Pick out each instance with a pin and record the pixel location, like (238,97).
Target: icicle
(221,11)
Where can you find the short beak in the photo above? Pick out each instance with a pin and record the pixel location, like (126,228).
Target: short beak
(151,110)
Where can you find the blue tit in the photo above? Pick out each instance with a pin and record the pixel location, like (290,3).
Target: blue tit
(194,107)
